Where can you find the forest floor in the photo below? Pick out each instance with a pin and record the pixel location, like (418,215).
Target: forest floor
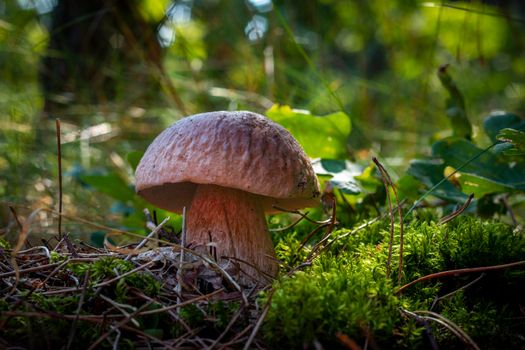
(456,285)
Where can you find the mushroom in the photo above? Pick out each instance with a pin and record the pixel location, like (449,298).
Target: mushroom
(227,169)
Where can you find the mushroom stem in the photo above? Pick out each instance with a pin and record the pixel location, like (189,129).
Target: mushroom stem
(234,221)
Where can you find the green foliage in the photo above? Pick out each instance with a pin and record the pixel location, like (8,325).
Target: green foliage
(430,173)
(116,185)
(349,177)
(287,250)
(61,304)
(54,330)
(342,292)
(192,314)
(323,137)
(485,173)
(517,140)
(463,243)
(56,257)
(474,170)
(4,244)
(110,184)
(107,268)
(134,158)
(497,121)
(487,166)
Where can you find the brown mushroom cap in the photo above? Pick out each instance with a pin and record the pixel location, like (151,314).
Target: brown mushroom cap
(240,150)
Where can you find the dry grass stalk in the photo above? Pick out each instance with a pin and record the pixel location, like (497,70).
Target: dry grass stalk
(457,213)
(424,315)
(59,162)
(389,184)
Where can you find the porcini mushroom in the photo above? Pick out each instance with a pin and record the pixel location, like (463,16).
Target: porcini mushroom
(227,169)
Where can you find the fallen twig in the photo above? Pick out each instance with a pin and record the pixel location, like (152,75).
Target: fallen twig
(451,326)
(303,215)
(18,223)
(228,327)
(79,308)
(457,213)
(179,276)
(459,272)
(237,339)
(141,267)
(28,270)
(150,235)
(119,324)
(184,303)
(456,291)
(317,249)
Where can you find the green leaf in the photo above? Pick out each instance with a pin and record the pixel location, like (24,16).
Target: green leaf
(368,180)
(110,184)
(488,166)
(321,137)
(134,158)
(478,185)
(343,174)
(497,121)
(503,148)
(516,140)
(430,172)
(408,187)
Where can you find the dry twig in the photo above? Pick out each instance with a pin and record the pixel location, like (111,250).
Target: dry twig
(460,272)
(457,213)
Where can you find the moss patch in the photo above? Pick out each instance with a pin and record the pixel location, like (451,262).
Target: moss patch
(346,291)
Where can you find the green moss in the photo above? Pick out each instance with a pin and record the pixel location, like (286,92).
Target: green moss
(60,304)
(338,294)
(192,315)
(346,289)
(220,313)
(48,332)
(211,318)
(56,257)
(4,244)
(287,250)
(469,243)
(109,267)
(53,331)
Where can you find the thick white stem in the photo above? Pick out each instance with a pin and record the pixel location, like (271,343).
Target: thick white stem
(234,221)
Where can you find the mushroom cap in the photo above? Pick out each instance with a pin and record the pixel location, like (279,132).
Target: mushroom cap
(241,150)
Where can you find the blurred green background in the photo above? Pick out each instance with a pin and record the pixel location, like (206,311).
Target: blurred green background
(118,72)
